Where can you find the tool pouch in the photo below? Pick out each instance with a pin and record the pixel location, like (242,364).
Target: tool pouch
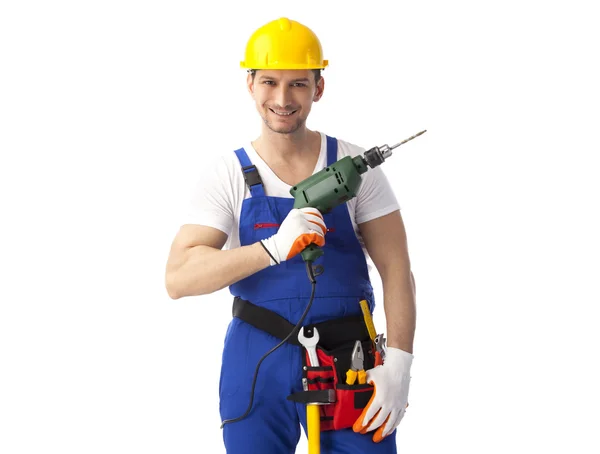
(350,400)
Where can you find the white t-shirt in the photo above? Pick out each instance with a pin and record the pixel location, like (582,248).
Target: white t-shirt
(219,194)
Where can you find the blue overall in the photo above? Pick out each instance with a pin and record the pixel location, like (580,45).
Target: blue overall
(273,425)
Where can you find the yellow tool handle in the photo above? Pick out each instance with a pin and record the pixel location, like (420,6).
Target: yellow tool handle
(362,377)
(313,422)
(368,319)
(351,376)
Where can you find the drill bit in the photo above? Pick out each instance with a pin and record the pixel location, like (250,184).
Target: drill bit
(406,140)
(385,151)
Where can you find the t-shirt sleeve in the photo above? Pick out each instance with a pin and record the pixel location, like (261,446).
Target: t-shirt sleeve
(211,201)
(375,197)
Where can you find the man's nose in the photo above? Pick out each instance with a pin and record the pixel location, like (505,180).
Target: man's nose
(283,96)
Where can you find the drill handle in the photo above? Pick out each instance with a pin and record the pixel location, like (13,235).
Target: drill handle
(311,253)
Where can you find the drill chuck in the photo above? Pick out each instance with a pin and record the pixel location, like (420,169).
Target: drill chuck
(376,155)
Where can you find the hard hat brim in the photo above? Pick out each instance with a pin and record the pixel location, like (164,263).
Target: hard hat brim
(323,65)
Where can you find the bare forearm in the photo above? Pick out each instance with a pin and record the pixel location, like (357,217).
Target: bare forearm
(399,300)
(204,269)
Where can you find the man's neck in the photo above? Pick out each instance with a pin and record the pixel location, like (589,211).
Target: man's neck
(276,147)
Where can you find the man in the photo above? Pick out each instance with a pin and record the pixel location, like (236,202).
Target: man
(246,206)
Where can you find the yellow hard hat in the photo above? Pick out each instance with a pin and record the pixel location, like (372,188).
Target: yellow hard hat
(284,44)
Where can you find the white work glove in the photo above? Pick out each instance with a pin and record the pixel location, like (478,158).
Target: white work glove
(388,404)
(301,227)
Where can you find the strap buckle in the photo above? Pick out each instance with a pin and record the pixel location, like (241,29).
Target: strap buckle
(251,175)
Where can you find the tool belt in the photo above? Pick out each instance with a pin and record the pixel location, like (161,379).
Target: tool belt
(340,404)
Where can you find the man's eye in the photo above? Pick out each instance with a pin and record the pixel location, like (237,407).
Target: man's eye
(269,82)
(300,84)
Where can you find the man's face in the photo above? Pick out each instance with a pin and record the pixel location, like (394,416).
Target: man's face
(284,97)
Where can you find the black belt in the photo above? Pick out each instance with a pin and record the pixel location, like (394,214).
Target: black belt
(332,333)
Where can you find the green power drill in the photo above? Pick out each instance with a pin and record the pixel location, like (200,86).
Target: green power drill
(337,184)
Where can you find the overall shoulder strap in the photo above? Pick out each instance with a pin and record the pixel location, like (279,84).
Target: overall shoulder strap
(251,175)
(332,149)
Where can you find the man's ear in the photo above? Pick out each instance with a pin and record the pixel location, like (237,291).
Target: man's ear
(250,84)
(320,89)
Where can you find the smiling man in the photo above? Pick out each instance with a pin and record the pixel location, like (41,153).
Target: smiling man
(285,111)
(243,233)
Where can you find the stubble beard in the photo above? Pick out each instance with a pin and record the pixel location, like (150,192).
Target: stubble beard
(283,129)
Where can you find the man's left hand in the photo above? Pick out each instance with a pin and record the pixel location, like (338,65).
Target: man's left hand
(388,404)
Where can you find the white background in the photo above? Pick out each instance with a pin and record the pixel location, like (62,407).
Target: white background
(110,110)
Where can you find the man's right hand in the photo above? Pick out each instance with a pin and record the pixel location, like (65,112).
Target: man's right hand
(301,227)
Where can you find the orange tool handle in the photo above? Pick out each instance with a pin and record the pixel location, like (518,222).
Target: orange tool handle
(378,360)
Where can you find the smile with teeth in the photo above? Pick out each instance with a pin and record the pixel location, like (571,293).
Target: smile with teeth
(282,113)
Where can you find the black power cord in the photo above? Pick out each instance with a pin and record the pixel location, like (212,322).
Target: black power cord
(311,277)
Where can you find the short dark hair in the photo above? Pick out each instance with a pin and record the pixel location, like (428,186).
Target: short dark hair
(316,72)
